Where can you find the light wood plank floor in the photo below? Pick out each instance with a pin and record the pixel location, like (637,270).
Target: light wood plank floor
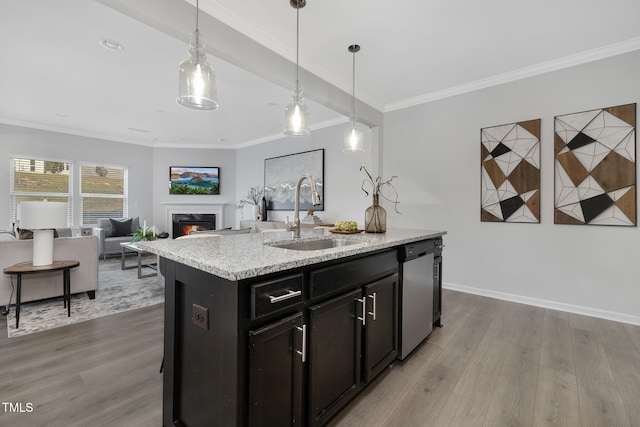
(497,363)
(494,363)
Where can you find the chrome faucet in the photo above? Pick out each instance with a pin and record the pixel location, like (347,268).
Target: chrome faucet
(315,200)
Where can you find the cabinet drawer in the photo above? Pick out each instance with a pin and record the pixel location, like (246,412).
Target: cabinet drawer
(333,279)
(275,295)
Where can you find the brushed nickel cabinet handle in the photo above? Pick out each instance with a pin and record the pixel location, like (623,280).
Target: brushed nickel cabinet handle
(364,311)
(373,313)
(303,353)
(289,294)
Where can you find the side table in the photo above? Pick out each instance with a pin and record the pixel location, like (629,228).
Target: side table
(28,268)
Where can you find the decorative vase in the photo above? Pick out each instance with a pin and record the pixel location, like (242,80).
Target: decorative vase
(263,209)
(375,217)
(256,212)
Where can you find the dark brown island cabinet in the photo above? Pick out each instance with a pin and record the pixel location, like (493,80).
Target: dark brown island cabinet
(286,349)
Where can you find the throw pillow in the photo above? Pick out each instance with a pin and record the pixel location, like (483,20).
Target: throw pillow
(120,227)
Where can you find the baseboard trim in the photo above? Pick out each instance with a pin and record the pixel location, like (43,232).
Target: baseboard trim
(570,308)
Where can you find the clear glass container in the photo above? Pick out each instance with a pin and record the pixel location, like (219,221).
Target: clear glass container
(196,79)
(375,217)
(353,138)
(296,116)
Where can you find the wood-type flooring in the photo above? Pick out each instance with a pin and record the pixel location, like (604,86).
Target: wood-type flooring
(494,363)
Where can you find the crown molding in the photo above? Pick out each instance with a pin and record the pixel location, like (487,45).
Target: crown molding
(522,73)
(71,131)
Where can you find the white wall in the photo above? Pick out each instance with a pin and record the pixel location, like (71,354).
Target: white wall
(163,158)
(435,149)
(343,197)
(16,140)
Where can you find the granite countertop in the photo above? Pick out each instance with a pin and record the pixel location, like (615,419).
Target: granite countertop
(242,256)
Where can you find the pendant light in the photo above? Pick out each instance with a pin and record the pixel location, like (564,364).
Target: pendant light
(296,116)
(353,137)
(196,79)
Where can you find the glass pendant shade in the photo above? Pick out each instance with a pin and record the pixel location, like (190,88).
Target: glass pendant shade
(196,79)
(296,116)
(353,139)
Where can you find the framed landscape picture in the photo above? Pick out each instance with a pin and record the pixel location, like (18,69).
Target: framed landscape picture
(282,173)
(194,180)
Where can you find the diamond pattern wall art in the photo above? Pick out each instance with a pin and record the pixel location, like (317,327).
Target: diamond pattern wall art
(595,167)
(510,157)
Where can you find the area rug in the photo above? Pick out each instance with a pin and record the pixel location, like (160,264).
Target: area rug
(118,291)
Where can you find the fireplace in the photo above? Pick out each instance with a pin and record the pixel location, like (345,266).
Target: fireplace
(184,223)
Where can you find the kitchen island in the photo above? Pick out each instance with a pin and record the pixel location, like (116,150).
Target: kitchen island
(260,334)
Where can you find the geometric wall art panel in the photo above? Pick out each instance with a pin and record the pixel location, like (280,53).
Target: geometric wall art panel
(510,180)
(595,167)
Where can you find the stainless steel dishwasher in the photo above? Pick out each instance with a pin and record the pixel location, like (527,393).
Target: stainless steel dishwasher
(416,308)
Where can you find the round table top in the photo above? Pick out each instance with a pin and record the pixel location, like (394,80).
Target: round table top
(27,267)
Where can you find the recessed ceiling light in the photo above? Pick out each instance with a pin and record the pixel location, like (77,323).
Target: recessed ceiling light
(62,115)
(152,139)
(273,105)
(220,140)
(161,111)
(111,44)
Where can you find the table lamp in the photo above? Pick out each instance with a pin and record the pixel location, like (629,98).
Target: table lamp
(42,218)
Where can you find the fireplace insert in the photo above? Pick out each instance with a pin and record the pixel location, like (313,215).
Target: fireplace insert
(184,223)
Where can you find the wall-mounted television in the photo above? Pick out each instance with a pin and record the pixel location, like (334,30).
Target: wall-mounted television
(194,180)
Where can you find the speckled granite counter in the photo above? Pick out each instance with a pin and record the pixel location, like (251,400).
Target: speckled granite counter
(236,257)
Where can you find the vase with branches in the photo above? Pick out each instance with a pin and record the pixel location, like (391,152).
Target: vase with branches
(375,217)
(253,197)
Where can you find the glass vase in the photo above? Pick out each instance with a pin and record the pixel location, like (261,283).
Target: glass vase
(375,217)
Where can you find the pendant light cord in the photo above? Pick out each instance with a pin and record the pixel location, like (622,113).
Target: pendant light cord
(197,13)
(297,41)
(353,98)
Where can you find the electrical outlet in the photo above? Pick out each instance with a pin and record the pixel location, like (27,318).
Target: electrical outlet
(200,316)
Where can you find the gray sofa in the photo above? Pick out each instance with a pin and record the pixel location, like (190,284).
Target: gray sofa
(108,243)
(49,285)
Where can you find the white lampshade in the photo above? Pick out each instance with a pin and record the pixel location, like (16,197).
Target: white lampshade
(42,215)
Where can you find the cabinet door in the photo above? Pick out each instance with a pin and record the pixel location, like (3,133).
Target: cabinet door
(381,326)
(334,355)
(437,291)
(275,373)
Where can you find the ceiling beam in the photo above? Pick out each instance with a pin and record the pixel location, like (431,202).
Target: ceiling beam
(177,19)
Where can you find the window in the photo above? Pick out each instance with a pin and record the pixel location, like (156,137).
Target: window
(39,179)
(103,192)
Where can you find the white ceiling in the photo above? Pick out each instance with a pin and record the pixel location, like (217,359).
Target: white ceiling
(56,76)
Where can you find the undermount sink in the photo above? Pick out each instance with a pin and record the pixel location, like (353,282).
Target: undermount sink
(316,245)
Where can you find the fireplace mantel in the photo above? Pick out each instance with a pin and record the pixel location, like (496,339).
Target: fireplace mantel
(192,208)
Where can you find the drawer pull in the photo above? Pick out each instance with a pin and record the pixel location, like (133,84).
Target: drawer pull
(289,294)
